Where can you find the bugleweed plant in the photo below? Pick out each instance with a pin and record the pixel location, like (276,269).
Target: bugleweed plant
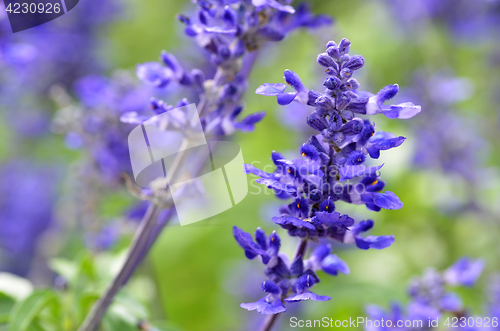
(331,170)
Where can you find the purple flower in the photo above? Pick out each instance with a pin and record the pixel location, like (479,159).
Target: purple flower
(375,104)
(98,129)
(284,277)
(292,79)
(55,54)
(382,141)
(27,202)
(266,305)
(358,170)
(464,272)
(429,300)
(321,259)
(375,242)
(466,21)
(331,169)
(458,148)
(386,200)
(104,239)
(154,74)
(273,4)
(230,33)
(264,247)
(307,296)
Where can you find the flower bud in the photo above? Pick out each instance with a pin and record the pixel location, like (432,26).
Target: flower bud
(325,60)
(331,83)
(317,122)
(344,46)
(333,52)
(355,62)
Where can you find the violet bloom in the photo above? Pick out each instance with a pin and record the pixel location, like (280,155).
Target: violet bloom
(494,297)
(332,169)
(470,21)
(430,299)
(464,272)
(27,202)
(104,239)
(458,149)
(56,53)
(284,277)
(94,124)
(229,33)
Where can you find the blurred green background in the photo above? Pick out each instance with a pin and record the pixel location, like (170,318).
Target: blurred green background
(196,276)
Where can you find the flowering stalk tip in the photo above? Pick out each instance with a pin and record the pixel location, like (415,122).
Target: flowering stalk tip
(332,169)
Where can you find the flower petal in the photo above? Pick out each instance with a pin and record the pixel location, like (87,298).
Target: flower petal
(332,265)
(274,4)
(264,307)
(271,89)
(387,200)
(464,272)
(307,296)
(375,242)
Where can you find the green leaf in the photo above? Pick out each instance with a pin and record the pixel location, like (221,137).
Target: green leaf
(124,313)
(65,268)
(165,326)
(85,303)
(78,272)
(113,321)
(130,308)
(6,304)
(25,312)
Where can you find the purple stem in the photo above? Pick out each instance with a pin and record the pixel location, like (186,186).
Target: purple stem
(269,322)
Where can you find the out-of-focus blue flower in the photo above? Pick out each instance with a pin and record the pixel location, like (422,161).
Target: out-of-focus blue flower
(104,239)
(494,297)
(94,124)
(470,21)
(464,272)
(56,53)
(448,140)
(429,300)
(455,144)
(27,201)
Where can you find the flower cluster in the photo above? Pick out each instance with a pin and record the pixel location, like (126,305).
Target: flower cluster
(231,32)
(56,53)
(458,147)
(332,169)
(285,276)
(430,298)
(21,223)
(31,64)
(494,297)
(464,19)
(93,123)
